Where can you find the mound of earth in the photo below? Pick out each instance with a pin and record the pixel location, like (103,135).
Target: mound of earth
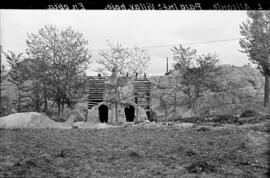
(75,116)
(91,125)
(27,120)
(241,88)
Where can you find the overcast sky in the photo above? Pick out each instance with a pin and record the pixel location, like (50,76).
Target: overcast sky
(134,28)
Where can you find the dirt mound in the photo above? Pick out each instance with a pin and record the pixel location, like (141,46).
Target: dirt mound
(91,125)
(241,88)
(27,120)
(75,116)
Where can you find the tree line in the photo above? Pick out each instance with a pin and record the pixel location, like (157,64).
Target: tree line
(53,70)
(193,74)
(52,74)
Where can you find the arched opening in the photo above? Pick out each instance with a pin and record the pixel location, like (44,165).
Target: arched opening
(103,113)
(148,113)
(129,113)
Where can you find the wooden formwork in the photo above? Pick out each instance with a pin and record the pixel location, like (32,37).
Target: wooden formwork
(142,91)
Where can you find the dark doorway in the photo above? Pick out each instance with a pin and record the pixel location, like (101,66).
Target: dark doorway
(129,113)
(103,113)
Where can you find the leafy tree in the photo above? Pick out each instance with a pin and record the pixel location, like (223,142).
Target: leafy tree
(3,74)
(183,57)
(121,64)
(256,44)
(39,87)
(60,59)
(174,86)
(196,74)
(164,105)
(4,100)
(2,69)
(170,92)
(122,61)
(17,76)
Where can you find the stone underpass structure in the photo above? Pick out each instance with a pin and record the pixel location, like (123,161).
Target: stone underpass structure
(135,105)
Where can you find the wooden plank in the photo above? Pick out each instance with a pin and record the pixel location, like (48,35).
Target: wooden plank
(95,95)
(96,92)
(96,89)
(142,102)
(95,100)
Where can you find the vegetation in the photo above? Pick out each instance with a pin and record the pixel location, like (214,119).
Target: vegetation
(53,75)
(54,71)
(60,58)
(194,74)
(18,77)
(121,64)
(169,96)
(5,101)
(137,152)
(256,44)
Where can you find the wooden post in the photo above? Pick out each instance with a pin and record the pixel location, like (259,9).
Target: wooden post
(266,90)
(137,112)
(174,105)
(167,65)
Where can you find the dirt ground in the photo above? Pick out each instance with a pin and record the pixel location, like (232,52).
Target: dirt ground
(164,151)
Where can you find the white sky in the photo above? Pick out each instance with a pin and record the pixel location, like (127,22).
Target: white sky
(134,28)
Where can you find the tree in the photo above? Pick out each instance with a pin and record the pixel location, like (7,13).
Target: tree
(174,86)
(256,44)
(17,75)
(164,105)
(121,64)
(3,69)
(60,58)
(39,85)
(122,61)
(194,74)
(4,100)
(170,92)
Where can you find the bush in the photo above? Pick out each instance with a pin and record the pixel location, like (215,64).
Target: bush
(226,119)
(249,113)
(153,116)
(5,106)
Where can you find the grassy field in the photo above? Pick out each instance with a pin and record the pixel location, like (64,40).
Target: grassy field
(134,152)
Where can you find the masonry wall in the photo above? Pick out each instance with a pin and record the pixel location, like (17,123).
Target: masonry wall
(136,94)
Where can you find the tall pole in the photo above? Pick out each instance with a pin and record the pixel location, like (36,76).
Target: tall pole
(0,53)
(167,66)
(1,73)
(137,112)
(0,70)
(0,56)
(1,66)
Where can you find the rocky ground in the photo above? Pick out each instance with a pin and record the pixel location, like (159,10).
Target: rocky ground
(138,150)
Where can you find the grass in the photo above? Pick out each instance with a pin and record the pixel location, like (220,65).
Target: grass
(130,152)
